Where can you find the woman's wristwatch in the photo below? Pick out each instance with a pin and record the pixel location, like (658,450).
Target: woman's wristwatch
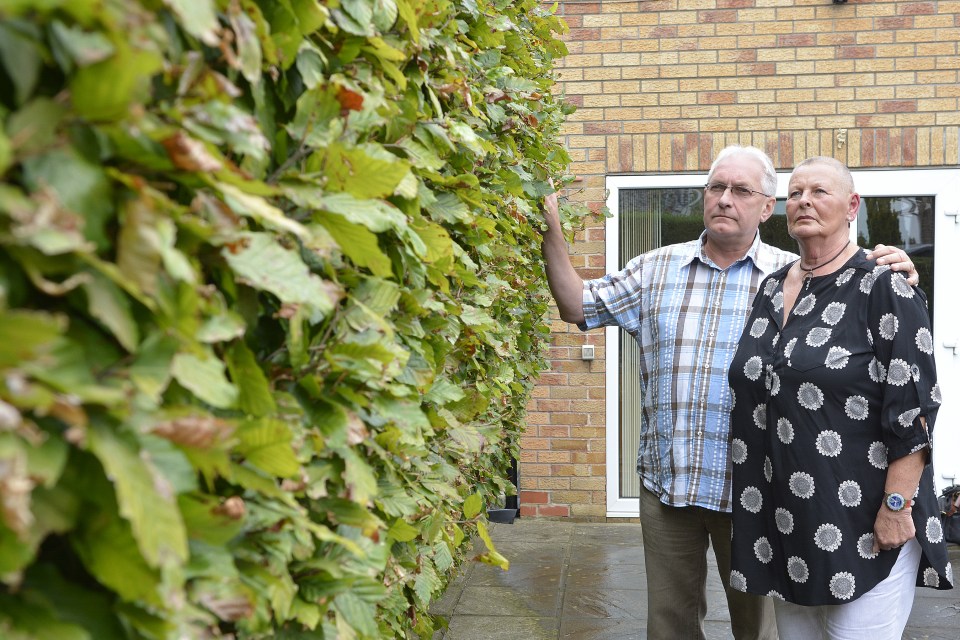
(894,501)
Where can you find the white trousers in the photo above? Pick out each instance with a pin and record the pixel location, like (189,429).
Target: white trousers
(879,614)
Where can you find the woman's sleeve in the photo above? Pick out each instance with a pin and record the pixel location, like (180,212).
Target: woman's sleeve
(899,326)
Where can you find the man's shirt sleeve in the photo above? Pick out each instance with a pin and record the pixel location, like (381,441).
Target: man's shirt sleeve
(614,299)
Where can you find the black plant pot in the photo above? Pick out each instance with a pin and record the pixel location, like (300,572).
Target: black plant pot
(504,516)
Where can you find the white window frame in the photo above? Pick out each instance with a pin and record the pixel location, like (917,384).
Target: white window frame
(942,183)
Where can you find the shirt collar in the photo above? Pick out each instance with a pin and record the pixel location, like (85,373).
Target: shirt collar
(759,254)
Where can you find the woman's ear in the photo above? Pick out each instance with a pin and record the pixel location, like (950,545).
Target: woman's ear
(854,207)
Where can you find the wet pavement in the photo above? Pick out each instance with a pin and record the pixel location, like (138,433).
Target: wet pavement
(586,581)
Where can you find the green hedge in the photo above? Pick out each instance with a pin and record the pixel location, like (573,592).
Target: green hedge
(271,306)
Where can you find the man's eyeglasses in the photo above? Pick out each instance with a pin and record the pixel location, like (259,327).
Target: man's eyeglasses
(718,189)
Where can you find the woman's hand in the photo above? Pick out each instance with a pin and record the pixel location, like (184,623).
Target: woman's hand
(893,528)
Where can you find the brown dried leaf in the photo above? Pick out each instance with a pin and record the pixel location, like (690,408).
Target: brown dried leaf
(495,95)
(70,411)
(189,154)
(233,508)
(15,488)
(229,608)
(356,430)
(349,100)
(201,432)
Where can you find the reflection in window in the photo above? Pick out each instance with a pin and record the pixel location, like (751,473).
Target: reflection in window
(902,221)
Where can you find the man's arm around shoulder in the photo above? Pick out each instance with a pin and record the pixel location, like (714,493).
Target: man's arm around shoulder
(566,285)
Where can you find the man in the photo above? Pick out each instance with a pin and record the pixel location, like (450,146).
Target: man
(686,305)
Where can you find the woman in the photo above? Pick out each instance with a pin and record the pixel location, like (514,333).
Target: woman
(835,390)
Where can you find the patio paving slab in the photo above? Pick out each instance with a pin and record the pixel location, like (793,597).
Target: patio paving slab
(587,581)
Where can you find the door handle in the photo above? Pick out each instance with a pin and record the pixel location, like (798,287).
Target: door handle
(951,344)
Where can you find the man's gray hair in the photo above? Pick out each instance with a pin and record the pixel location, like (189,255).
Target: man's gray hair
(843,172)
(768,182)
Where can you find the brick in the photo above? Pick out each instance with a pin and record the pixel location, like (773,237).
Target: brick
(873,65)
(857,52)
(720,15)
(588,484)
(815,53)
(874,93)
(590,457)
(718,97)
(534,497)
(895,50)
(836,66)
(659,32)
(897,106)
(639,19)
(777,109)
(679,17)
(571,497)
(592,21)
(676,99)
(773,82)
(898,22)
(874,121)
(795,123)
(796,40)
(875,37)
(603,46)
(856,107)
(739,55)
(600,128)
(587,511)
(941,104)
(560,511)
(757,42)
(678,126)
(759,69)
(720,124)
(602,74)
(952,119)
(943,20)
(554,483)
(619,7)
(777,55)
(738,111)
(937,48)
(553,456)
(916,8)
(916,120)
(619,33)
(921,92)
(824,80)
(699,112)
(816,108)
(948,91)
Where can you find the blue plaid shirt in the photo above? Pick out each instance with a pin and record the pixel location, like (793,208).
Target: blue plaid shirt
(687,315)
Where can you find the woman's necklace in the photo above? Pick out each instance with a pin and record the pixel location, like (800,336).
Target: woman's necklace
(808,271)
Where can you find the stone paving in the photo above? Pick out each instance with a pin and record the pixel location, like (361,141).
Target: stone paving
(586,581)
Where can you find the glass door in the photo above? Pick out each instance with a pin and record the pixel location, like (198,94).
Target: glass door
(912,209)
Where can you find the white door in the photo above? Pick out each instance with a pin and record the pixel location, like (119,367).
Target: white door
(916,209)
(928,200)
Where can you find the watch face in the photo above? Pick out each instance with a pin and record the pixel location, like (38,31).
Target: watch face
(895,501)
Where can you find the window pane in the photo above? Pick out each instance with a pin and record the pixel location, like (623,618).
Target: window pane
(648,219)
(906,222)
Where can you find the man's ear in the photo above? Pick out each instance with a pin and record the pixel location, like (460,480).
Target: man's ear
(768,209)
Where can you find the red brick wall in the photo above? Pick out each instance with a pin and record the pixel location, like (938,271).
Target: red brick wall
(662,85)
